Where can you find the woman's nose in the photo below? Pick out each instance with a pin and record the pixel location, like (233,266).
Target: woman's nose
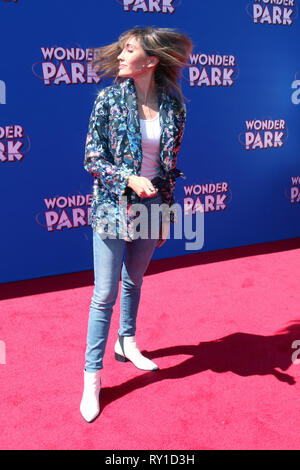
(120,56)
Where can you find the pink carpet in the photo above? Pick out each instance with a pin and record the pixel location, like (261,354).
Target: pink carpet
(219,325)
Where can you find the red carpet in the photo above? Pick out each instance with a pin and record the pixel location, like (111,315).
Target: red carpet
(219,326)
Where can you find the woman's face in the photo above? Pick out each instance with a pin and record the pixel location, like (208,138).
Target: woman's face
(133,60)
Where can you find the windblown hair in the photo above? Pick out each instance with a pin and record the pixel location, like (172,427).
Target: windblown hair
(171,47)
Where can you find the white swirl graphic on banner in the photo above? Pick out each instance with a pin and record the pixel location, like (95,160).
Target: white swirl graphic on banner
(208,197)
(212,70)
(264,134)
(14,143)
(293,193)
(150,6)
(273,12)
(70,65)
(65,212)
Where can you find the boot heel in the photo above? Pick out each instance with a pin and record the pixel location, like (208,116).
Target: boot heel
(120,358)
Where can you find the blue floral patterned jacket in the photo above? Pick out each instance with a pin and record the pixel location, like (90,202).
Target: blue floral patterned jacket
(114,152)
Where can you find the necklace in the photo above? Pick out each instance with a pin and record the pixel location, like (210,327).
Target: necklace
(147,106)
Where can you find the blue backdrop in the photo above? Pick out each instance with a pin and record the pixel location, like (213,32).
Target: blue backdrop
(240,151)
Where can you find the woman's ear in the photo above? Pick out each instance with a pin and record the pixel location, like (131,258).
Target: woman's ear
(152,61)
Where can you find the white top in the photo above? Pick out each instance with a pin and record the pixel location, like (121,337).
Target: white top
(150,130)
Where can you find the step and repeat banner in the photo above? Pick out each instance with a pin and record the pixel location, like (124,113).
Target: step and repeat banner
(241,148)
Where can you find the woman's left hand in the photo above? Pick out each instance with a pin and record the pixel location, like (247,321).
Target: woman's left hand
(163,232)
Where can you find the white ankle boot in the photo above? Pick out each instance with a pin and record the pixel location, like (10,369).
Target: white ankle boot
(126,349)
(89,406)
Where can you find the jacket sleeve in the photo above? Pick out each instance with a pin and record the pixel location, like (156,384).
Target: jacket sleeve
(98,159)
(181,118)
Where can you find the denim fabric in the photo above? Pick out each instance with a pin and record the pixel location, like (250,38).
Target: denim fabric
(109,261)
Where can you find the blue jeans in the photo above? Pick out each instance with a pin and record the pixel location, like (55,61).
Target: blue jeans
(108,261)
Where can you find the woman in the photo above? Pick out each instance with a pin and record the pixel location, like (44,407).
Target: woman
(134,134)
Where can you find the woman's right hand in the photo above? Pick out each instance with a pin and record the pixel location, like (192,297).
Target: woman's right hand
(142,186)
